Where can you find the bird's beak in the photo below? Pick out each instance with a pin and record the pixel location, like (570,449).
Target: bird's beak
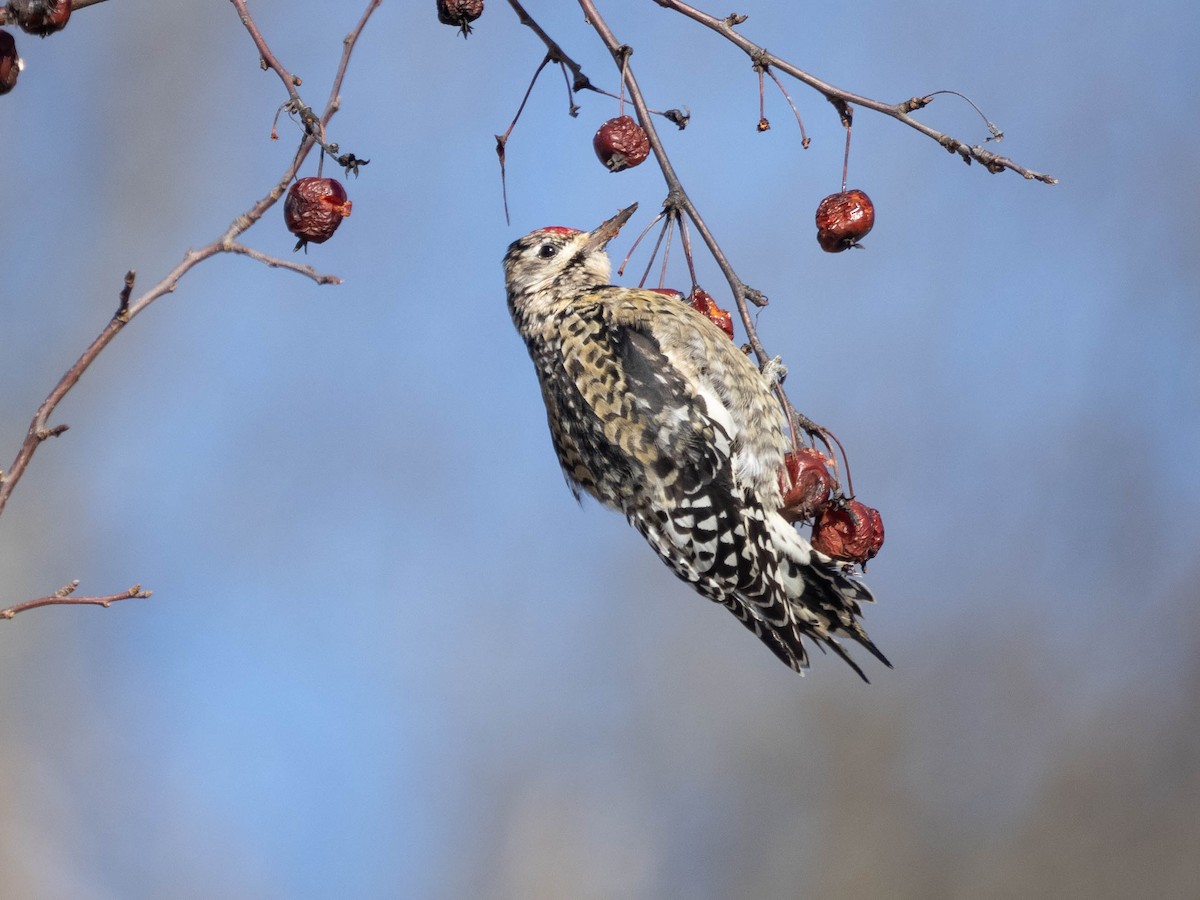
(609,230)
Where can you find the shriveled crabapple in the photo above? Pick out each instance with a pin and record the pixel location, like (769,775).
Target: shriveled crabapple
(314,209)
(459,13)
(805,483)
(849,531)
(41,17)
(10,62)
(703,302)
(621,143)
(843,219)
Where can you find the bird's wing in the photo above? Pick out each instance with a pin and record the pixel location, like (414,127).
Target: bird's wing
(646,406)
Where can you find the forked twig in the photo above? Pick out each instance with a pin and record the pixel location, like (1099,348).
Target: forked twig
(128,308)
(65,596)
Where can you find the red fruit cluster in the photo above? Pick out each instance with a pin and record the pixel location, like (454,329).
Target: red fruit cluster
(848,530)
(805,483)
(703,302)
(10,63)
(843,220)
(314,209)
(459,13)
(621,144)
(41,17)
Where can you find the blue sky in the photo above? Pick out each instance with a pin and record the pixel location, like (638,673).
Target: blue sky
(387,654)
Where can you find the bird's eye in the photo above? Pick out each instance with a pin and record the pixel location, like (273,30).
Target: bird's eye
(547,250)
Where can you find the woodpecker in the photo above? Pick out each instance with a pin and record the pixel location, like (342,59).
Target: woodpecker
(654,412)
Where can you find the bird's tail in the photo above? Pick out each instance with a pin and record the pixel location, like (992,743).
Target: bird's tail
(762,570)
(822,602)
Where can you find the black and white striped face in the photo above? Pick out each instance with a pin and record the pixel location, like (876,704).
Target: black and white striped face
(553,262)
(554,258)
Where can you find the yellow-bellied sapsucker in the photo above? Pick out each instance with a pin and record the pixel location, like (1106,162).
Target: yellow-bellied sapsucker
(656,413)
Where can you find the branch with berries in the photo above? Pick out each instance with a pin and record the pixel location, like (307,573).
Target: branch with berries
(315,207)
(313,210)
(843,527)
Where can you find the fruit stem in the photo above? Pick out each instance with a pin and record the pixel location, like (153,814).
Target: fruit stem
(645,231)
(804,141)
(846,159)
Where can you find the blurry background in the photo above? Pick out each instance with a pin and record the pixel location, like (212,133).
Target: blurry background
(388,656)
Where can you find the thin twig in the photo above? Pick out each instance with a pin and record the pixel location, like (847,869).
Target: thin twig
(677,197)
(678,203)
(65,596)
(804,140)
(276,262)
(314,125)
(900,111)
(502,139)
(39,429)
(553,50)
(268,58)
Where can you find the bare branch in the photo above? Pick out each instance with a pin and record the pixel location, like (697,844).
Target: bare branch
(899,111)
(678,204)
(39,429)
(267,58)
(677,198)
(553,50)
(65,596)
(276,262)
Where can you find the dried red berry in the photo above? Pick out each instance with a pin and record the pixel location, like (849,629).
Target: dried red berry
(703,302)
(314,209)
(10,63)
(843,220)
(805,483)
(460,13)
(43,17)
(621,144)
(849,531)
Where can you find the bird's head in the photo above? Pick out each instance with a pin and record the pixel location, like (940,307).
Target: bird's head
(557,260)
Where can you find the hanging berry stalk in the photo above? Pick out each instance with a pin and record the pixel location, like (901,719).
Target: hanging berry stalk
(763,123)
(314,209)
